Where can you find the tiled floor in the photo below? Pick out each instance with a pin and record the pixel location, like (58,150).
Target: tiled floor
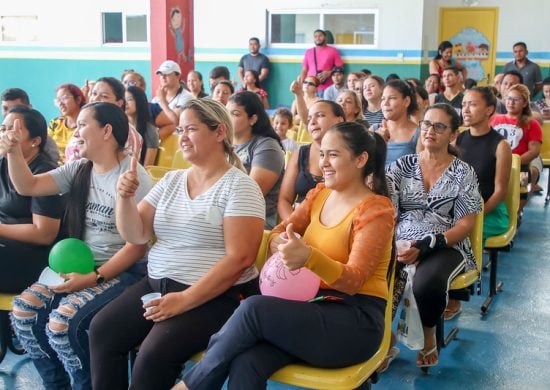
(509,348)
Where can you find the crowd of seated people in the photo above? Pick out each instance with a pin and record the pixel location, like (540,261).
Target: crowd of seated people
(366,149)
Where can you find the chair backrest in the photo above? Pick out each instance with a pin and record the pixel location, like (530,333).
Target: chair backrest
(156,172)
(261,257)
(179,162)
(167,150)
(511,199)
(545,147)
(476,239)
(303,135)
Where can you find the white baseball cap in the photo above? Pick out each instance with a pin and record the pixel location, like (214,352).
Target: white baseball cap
(168,67)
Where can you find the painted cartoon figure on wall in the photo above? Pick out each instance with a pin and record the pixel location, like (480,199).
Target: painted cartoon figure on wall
(177,28)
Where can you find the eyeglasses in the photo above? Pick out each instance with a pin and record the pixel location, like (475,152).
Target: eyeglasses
(438,127)
(63,99)
(130,83)
(310,83)
(514,100)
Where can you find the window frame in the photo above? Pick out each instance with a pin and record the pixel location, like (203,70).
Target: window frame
(20,42)
(322,13)
(125,41)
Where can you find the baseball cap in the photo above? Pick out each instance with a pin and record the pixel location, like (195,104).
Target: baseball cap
(168,67)
(338,69)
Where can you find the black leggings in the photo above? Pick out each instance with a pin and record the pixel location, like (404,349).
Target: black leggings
(431,282)
(165,346)
(20,264)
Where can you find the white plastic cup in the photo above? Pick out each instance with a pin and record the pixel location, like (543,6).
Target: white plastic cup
(402,246)
(149,297)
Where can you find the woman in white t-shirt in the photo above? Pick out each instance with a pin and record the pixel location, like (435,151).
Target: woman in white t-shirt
(51,322)
(208,223)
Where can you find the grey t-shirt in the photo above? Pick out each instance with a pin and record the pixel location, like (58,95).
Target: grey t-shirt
(151,139)
(100,231)
(266,153)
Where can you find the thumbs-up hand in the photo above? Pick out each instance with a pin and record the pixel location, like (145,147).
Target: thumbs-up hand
(296,86)
(128,182)
(9,139)
(294,252)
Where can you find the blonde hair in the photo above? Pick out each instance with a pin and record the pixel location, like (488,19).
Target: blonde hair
(356,101)
(213,114)
(526,113)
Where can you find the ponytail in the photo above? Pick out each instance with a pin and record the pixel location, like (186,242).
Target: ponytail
(359,140)
(75,212)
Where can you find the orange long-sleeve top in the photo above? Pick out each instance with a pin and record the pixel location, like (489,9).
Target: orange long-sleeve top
(352,256)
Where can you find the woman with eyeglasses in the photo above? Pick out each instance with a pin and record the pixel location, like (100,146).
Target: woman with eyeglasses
(208,222)
(436,197)
(309,92)
(51,322)
(69,99)
(28,225)
(523,133)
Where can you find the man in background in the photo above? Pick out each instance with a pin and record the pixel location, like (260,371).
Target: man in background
(320,60)
(530,71)
(254,61)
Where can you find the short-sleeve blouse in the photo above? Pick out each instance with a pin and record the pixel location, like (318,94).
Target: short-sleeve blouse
(454,196)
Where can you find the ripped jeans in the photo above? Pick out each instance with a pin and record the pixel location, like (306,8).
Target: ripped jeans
(53,328)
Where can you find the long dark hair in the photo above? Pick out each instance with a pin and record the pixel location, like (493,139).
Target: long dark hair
(405,90)
(254,106)
(75,212)
(256,77)
(142,116)
(117,88)
(358,141)
(441,48)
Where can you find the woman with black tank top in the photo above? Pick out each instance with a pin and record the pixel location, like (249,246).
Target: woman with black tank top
(302,171)
(490,155)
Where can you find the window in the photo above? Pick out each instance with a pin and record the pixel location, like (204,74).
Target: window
(19,28)
(120,28)
(291,28)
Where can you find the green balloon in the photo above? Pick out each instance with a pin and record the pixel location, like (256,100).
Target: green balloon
(71,255)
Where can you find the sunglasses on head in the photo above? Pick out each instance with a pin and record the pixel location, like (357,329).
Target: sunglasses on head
(310,83)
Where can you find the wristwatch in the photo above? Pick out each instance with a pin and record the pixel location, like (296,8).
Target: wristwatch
(98,277)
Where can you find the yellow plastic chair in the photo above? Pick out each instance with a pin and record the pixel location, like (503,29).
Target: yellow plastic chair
(303,135)
(157,172)
(545,155)
(167,151)
(179,162)
(352,377)
(503,242)
(292,134)
(261,258)
(462,285)
(6,340)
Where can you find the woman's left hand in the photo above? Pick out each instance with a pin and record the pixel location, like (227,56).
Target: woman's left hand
(409,256)
(75,282)
(169,305)
(294,253)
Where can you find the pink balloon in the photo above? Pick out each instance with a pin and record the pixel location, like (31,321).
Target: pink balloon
(277,280)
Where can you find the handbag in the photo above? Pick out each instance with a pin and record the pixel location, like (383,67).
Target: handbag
(409,326)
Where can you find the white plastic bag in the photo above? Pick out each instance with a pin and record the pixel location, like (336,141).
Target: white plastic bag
(409,327)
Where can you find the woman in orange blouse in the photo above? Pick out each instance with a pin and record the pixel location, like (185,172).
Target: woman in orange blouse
(347,228)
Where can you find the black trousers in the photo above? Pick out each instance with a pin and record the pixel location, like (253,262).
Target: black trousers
(20,264)
(164,346)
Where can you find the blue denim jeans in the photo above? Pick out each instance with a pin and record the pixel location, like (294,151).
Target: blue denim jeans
(62,357)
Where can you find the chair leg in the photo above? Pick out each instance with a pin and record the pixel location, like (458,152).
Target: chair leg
(494,287)
(547,199)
